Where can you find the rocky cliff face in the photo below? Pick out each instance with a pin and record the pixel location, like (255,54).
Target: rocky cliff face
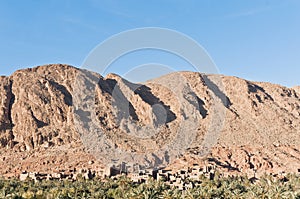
(256,125)
(39,107)
(7,98)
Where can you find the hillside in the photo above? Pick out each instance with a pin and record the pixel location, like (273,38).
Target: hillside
(51,116)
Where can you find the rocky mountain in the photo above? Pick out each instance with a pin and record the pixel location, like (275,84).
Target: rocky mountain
(56,117)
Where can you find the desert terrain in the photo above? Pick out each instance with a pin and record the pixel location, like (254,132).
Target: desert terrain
(242,126)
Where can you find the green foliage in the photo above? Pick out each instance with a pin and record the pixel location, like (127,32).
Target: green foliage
(231,187)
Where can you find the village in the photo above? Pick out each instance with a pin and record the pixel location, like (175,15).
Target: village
(181,179)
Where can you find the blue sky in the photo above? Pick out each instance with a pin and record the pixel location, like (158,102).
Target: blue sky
(253,39)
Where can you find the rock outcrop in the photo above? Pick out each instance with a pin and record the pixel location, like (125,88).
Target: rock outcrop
(7,98)
(41,109)
(247,125)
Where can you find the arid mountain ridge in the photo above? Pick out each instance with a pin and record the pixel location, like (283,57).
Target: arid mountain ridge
(261,128)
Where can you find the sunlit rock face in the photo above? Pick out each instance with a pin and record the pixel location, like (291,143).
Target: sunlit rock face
(61,109)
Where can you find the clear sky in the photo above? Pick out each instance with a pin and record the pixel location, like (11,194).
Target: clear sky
(253,39)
